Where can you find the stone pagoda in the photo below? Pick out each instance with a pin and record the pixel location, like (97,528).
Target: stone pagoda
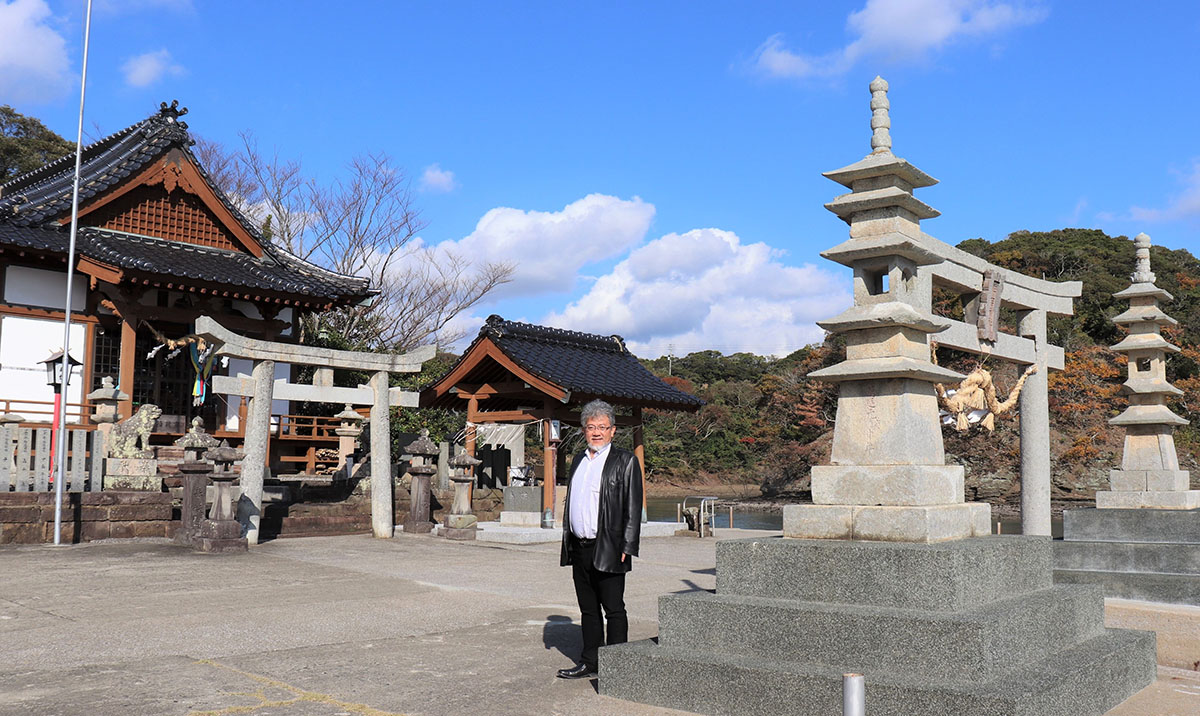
(1149,474)
(1144,540)
(890,574)
(888,479)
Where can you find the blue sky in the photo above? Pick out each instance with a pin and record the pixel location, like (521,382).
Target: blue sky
(655,168)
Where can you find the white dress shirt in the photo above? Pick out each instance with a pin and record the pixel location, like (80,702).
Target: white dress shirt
(585,492)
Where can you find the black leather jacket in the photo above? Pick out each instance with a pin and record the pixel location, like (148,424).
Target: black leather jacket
(619,524)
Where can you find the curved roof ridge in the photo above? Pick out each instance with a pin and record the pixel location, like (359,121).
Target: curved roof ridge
(500,328)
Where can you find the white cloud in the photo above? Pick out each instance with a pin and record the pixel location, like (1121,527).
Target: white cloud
(1183,205)
(33,55)
(438,180)
(705,289)
(549,248)
(896,30)
(148,68)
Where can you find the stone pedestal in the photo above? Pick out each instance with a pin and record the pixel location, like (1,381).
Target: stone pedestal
(418,521)
(522,507)
(132,473)
(191,514)
(973,627)
(1143,541)
(1147,554)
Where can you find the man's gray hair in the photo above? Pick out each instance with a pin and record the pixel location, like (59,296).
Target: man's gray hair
(595,409)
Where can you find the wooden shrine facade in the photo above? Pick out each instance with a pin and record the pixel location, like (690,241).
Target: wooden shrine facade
(158,245)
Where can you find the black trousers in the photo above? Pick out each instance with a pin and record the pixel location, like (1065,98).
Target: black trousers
(595,590)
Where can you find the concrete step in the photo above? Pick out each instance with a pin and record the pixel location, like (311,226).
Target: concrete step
(1128,557)
(969,646)
(1086,680)
(1142,525)
(1145,586)
(943,577)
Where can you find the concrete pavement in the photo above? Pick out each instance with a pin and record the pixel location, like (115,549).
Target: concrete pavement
(332,626)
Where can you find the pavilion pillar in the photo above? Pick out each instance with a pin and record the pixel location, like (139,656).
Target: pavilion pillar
(549,497)
(1035,432)
(126,363)
(639,451)
(469,437)
(257,431)
(383,523)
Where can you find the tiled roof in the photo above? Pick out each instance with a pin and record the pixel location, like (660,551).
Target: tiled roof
(32,204)
(584,363)
(279,271)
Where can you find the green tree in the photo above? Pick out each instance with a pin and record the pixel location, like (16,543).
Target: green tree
(26,144)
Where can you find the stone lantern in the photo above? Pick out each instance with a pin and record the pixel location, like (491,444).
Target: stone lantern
(348,430)
(105,400)
(461,523)
(194,471)
(221,532)
(422,469)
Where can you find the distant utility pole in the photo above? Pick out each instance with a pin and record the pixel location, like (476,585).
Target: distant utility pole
(670,357)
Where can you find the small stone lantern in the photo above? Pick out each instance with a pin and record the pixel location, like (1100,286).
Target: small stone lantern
(461,523)
(348,430)
(105,400)
(194,471)
(221,532)
(421,470)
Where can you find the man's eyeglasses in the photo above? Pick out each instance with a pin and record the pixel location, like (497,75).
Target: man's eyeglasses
(597,428)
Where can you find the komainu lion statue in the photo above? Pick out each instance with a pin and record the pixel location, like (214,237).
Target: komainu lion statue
(125,436)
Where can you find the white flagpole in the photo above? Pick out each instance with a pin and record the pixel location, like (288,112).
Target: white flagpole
(66,356)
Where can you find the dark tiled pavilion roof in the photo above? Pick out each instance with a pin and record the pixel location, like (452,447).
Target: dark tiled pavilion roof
(33,204)
(586,364)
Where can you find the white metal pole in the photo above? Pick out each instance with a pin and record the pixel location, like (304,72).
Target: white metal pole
(66,356)
(854,695)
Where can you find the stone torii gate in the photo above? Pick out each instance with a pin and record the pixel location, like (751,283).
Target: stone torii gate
(262,388)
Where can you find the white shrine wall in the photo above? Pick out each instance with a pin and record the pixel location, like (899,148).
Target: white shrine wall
(25,286)
(243,367)
(23,343)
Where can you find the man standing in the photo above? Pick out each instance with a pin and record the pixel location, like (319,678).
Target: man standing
(601,526)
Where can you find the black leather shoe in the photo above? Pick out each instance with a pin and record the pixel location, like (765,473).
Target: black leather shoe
(579,671)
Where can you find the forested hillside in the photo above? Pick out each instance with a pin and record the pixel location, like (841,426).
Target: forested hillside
(767,423)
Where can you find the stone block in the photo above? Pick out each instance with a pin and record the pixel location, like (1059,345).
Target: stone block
(220,529)
(21,533)
(520,519)
(1143,586)
(949,576)
(1161,558)
(964,647)
(818,521)
(1161,500)
(1131,525)
(1167,480)
(121,530)
(1087,679)
(1127,480)
(461,521)
(20,513)
(887,484)
(131,466)
(459,534)
(416,527)
(933,523)
(150,529)
(139,512)
(523,499)
(132,482)
(91,531)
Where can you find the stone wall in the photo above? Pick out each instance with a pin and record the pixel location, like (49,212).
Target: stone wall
(28,517)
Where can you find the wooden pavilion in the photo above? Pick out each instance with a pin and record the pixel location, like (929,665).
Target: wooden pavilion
(520,373)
